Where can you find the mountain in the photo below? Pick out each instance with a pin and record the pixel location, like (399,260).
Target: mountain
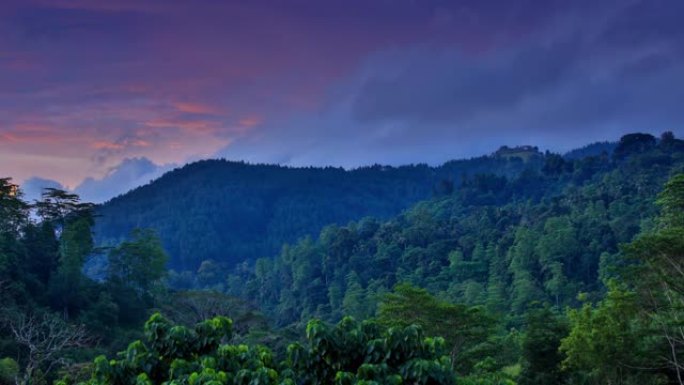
(528,274)
(226,212)
(231,212)
(542,236)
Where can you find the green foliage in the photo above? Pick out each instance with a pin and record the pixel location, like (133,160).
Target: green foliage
(540,355)
(672,201)
(66,287)
(515,228)
(138,263)
(13,211)
(608,343)
(487,372)
(632,144)
(169,352)
(349,353)
(9,371)
(501,242)
(365,353)
(462,327)
(43,249)
(658,279)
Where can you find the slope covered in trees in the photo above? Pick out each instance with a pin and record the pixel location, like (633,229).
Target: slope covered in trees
(230,212)
(53,317)
(630,335)
(48,307)
(542,236)
(569,272)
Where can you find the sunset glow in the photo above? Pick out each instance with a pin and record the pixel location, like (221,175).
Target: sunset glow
(87,84)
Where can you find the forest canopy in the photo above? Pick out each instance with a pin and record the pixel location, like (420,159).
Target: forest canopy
(547,269)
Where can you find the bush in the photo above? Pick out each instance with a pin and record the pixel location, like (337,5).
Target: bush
(9,370)
(348,353)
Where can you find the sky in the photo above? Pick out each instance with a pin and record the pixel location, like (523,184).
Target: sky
(99,96)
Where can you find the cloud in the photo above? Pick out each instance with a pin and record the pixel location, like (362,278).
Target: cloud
(87,84)
(33,187)
(130,173)
(448,86)
(106,145)
(197,108)
(584,76)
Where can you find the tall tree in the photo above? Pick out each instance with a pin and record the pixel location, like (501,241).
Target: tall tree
(609,344)
(461,326)
(138,263)
(540,355)
(13,210)
(75,245)
(660,278)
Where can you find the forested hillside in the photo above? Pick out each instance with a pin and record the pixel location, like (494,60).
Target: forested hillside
(552,271)
(54,318)
(542,236)
(230,212)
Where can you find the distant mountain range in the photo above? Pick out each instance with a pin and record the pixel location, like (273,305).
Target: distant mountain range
(507,244)
(231,212)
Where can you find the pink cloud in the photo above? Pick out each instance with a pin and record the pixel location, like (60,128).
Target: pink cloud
(195,75)
(195,126)
(140,143)
(29,133)
(105,145)
(197,108)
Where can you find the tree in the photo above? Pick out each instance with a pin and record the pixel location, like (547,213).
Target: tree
(9,371)
(169,352)
(554,165)
(556,248)
(523,257)
(462,327)
(138,263)
(540,355)
(631,144)
(366,353)
(42,249)
(190,307)
(57,206)
(13,211)
(660,277)
(75,245)
(349,353)
(354,301)
(45,338)
(608,343)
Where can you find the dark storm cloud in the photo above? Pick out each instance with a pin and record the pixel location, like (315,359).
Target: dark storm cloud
(443,86)
(586,73)
(646,22)
(622,70)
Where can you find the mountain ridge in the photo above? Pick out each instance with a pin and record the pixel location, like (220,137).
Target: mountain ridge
(229,212)
(290,201)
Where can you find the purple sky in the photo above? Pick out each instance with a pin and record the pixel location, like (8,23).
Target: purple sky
(121,90)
